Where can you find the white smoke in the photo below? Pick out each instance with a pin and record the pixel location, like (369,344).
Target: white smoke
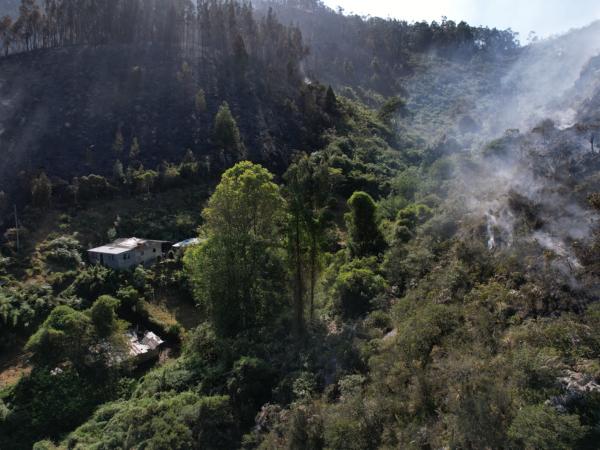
(520,187)
(540,83)
(491,224)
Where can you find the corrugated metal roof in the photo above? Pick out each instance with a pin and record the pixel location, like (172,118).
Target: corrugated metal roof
(108,249)
(119,246)
(149,342)
(123,245)
(187,242)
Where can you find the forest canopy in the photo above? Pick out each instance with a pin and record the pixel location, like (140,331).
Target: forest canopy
(312,236)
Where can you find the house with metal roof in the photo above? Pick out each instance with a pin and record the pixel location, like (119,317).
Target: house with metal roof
(124,254)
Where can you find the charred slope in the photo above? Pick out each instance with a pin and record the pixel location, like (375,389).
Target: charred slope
(156,78)
(442,69)
(60,109)
(456,79)
(378,54)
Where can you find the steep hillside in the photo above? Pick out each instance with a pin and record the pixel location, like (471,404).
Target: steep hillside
(413,264)
(441,69)
(455,78)
(61,109)
(59,104)
(378,54)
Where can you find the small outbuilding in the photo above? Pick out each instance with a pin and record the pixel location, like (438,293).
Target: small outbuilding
(180,247)
(143,346)
(124,254)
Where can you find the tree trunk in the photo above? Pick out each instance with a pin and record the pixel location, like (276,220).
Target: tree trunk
(299,282)
(313,273)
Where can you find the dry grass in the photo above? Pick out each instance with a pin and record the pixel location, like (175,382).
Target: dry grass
(160,314)
(14,364)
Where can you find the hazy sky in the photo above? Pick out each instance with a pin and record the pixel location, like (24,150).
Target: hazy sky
(545,17)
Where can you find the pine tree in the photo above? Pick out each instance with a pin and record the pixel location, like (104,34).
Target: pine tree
(240,54)
(89,156)
(186,77)
(200,101)
(118,144)
(5,33)
(118,173)
(41,190)
(134,151)
(331,103)
(189,157)
(227,134)
(3,201)
(307,189)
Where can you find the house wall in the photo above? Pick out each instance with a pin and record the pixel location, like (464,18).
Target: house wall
(112,261)
(127,260)
(93,257)
(146,255)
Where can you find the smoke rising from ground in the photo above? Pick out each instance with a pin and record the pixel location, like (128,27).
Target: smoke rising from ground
(524,185)
(540,84)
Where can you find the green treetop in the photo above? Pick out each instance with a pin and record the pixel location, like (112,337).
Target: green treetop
(227,135)
(238,272)
(364,236)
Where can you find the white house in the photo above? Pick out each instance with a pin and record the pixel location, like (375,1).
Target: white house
(124,254)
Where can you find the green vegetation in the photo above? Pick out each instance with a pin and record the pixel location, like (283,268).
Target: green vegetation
(364,236)
(237,272)
(174,421)
(227,134)
(357,283)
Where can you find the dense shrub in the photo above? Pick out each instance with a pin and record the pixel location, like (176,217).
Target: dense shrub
(357,288)
(50,402)
(413,215)
(62,253)
(92,187)
(365,238)
(164,421)
(103,315)
(23,308)
(541,427)
(65,335)
(92,282)
(249,386)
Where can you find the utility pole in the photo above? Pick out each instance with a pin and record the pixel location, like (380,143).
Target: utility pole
(17,227)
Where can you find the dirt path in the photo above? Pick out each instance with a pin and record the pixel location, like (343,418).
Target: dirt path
(13,365)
